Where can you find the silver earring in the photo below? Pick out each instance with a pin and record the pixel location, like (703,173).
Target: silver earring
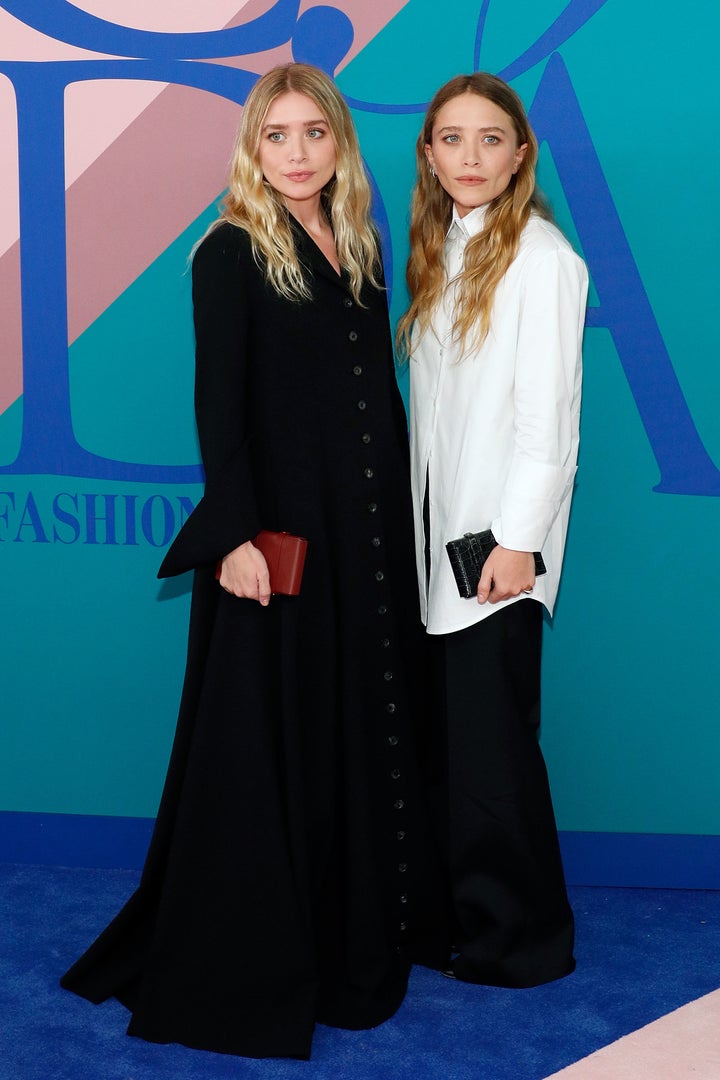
(432,171)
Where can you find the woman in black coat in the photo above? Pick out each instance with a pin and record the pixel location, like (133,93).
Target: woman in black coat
(288,880)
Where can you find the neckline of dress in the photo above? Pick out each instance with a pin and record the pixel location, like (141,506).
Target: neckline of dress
(326,262)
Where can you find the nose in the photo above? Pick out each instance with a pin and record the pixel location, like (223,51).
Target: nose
(297,149)
(472,153)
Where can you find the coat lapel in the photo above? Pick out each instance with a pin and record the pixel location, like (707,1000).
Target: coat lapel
(312,257)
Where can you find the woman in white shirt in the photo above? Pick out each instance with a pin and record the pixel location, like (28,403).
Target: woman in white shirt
(493,334)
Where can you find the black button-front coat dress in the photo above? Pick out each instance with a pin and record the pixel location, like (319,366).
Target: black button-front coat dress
(290,878)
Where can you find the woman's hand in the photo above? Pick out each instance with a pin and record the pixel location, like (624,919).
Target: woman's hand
(244,573)
(506,573)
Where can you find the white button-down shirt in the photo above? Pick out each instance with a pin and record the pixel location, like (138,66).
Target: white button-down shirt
(496,430)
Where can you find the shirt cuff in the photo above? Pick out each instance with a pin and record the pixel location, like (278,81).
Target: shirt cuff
(532,497)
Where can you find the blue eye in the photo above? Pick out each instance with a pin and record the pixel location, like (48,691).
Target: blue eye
(451,138)
(491,139)
(276,136)
(315,133)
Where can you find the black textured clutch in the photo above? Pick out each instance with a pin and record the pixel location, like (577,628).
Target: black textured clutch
(467,558)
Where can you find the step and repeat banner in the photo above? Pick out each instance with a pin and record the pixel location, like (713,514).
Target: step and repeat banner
(116,122)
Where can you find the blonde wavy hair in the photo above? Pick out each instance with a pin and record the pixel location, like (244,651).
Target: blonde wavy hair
(488,254)
(254,205)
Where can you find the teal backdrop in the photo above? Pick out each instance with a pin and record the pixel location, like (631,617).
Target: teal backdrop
(98,456)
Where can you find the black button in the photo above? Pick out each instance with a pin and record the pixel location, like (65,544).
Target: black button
(369,473)
(402,867)
(403,926)
(366,438)
(385,642)
(347,302)
(352,335)
(403,898)
(375,541)
(388,676)
(399,804)
(372,507)
(400,834)
(393,740)
(379,576)
(357,370)
(382,610)
(362,405)
(390,707)
(395,774)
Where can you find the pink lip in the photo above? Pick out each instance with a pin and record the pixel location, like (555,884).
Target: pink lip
(471,179)
(298,177)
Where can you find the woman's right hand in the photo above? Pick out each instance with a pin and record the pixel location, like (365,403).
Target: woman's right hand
(506,574)
(244,573)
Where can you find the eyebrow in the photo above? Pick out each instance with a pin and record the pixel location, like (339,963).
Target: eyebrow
(305,123)
(455,127)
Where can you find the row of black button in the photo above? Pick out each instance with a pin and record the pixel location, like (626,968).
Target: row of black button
(392,740)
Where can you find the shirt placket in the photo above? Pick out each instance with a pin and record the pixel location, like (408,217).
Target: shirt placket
(454,251)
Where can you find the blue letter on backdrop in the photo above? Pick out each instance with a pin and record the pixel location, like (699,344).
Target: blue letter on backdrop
(48,443)
(685,466)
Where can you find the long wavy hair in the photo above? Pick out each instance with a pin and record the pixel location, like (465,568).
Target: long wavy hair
(254,205)
(488,254)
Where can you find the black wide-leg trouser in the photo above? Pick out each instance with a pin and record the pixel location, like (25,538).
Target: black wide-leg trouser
(512,920)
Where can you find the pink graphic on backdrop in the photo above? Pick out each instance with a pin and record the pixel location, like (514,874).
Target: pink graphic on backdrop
(10,326)
(179,17)
(143,159)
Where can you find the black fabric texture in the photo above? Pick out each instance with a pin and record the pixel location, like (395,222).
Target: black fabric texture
(290,878)
(513,925)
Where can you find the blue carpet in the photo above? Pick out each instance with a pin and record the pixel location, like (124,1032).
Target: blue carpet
(641,953)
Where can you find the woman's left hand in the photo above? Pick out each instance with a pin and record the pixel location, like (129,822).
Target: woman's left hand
(506,573)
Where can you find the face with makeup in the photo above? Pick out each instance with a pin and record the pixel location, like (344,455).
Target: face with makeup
(297,150)
(474,150)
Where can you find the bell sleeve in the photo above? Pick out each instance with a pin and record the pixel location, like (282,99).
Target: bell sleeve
(226,516)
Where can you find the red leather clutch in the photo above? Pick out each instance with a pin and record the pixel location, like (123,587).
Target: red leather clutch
(285,557)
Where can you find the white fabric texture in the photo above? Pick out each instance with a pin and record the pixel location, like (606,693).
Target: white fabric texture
(497,429)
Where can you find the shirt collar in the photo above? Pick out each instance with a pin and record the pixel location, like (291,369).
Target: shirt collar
(467,226)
